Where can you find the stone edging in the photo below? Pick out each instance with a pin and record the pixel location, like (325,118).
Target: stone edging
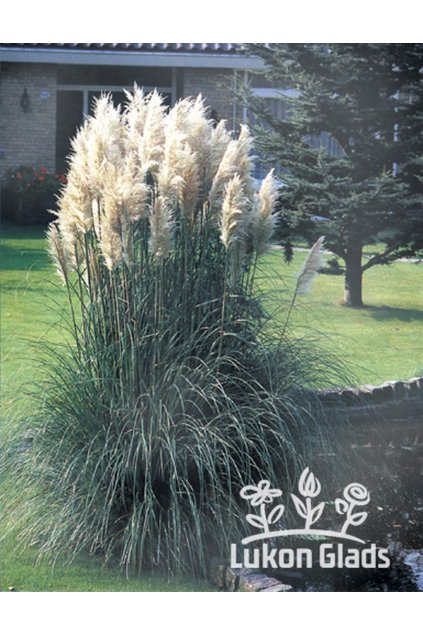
(226,579)
(373,395)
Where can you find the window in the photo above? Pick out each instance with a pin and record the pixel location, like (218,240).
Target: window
(76,102)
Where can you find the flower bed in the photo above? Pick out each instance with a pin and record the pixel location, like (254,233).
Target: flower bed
(29,193)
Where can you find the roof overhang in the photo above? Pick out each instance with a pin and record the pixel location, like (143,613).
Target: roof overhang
(236,61)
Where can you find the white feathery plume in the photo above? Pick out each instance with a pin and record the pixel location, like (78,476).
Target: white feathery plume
(161,227)
(225,171)
(124,201)
(191,182)
(74,216)
(107,142)
(177,177)
(245,160)
(189,123)
(76,197)
(232,220)
(169,178)
(131,188)
(263,220)
(79,159)
(71,235)
(310,268)
(151,145)
(135,115)
(236,160)
(177,117)
(57,251)
(111,246)
(219,141)
(197,128)
(111,219)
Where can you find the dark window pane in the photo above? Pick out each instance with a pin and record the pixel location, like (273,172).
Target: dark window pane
(69,118)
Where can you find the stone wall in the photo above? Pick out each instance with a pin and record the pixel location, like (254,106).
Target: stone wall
(392,401)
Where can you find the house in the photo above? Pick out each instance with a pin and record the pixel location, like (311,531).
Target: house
(46,90)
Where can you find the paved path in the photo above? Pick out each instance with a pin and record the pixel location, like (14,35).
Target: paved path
(326,252)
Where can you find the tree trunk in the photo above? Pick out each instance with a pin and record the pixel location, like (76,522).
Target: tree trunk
(353,277)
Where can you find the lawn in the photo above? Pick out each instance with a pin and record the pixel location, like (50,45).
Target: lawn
(20,571)
(382,341)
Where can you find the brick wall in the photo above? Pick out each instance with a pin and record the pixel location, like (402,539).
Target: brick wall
(30,137)
(217,87)
(27,137)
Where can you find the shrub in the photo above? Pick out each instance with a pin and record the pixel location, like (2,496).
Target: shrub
(175,394)
(333,267)
(29,192)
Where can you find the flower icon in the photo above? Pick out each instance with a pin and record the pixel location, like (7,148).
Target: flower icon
(309,485)
(260,494)
(356,494)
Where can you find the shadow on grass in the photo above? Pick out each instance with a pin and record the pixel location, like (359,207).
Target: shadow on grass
(386,313)
(15,259)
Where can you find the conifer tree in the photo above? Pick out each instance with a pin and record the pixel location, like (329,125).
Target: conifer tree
(350,147)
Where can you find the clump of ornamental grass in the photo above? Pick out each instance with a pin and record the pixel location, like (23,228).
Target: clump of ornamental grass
(173,397)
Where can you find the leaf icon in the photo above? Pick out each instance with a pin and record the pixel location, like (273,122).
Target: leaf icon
(316,513)
(255,520)
(341,506)
(358,518)
(275,514)
(299,506)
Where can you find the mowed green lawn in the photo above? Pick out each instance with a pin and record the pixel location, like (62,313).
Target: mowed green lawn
(380,342)
(32,306)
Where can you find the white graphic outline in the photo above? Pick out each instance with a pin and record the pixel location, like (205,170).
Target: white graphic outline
(309,487)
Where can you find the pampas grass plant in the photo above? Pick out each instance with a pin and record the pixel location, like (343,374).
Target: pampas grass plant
(172,397)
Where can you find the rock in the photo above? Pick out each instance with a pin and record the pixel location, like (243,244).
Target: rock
(413,387)
(398,388)
(251,582)
(217,573)
(256,582)
(279,587)
(230,580)
(383,393)
(350,398)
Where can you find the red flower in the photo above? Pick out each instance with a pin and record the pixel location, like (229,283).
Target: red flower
(19,176)
(41,178)
(35,172)
(43,170)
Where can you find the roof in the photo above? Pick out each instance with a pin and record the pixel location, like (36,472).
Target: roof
(135,46)
(208,55)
